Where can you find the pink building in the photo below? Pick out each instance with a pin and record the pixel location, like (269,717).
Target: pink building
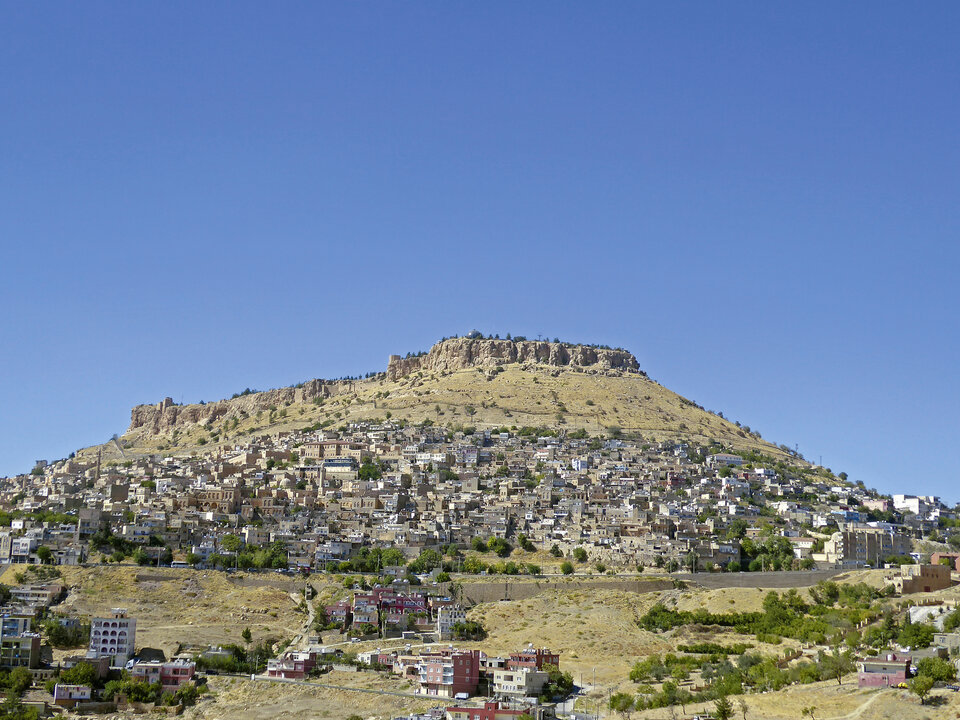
(339,613)
(887,670)
(533,658)
(171,675)
(292,665)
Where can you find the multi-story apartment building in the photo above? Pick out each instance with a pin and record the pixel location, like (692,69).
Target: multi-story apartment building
(113,637)
(863,546)
(449,672)
(171,675)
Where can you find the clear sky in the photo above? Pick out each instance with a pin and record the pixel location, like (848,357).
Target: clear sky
(760,200)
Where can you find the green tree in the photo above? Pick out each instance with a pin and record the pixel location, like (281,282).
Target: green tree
(579,554)
(937,668)
(19,680)
(13,709)
(231,543)
(247,635)
(621,702)
(369,470)
(836,665)
(82,673)
(723,709)
(45,554)
(921,687)
(426,561)
(566,567)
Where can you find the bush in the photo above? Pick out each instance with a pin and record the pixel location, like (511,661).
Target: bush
(469,630)
(60,636)
(566,568)
(937,668)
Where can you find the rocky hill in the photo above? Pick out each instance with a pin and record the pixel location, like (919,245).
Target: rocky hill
(460,381)
(167,415)
(461,353)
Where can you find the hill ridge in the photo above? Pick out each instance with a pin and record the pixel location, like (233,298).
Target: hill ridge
(466,381)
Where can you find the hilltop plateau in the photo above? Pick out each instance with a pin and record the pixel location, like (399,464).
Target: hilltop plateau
(479,382)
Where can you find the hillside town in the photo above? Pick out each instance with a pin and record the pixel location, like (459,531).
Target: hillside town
(404,510)
(320,497)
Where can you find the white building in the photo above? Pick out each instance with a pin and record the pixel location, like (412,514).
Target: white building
(518,683)
(113,637)
(447,617)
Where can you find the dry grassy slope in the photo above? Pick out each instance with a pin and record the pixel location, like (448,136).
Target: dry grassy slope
(183,606)
(245,700)
(537,395)
(593,628)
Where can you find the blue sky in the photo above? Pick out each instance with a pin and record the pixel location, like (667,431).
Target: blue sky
(759,200)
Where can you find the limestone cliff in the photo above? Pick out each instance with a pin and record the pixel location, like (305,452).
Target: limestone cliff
(167,415)
(460,353)
(446,355)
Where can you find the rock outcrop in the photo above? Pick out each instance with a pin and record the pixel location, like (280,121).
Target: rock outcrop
(446,355)
(167,415)
(460,353)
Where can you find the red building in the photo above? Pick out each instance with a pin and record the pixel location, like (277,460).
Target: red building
(533,658)
(449,672)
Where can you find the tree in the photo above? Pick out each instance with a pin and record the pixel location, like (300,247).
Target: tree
(13,709)
(743,706)
(426,561)
(809,712)
(20,680)
(579,554)
(231,543)
(921,686)
(83,673)
(193,558)
(559,684)
(556,551)
(566,568)
(247,635)
(45,554)
(621,702)
(836,665)
(937,668)
(723,709)
(369,470)
(468,630)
